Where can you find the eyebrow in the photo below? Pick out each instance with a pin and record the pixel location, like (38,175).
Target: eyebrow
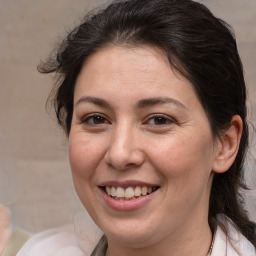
(144,103)
(96,101)
(158,100)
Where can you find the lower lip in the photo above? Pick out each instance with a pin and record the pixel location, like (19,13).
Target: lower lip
(126,205)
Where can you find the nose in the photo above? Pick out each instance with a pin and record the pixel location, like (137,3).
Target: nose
(125,150)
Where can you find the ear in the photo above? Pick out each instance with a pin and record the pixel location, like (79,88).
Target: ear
(228,146)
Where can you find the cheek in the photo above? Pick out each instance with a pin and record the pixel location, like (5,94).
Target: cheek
(85,155)
(182,158)
(185,167)
(78,153)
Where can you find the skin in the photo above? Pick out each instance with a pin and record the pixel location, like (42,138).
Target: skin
(125,141)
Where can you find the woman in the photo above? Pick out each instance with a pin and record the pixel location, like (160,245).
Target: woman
(152,97)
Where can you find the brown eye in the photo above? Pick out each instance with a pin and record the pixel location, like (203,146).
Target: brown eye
(98,120)
(95,120)
(159,120)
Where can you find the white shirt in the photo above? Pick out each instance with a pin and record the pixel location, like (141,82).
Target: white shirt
(66,242)
(234,245)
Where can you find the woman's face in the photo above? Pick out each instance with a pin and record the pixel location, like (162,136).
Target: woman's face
(141,149)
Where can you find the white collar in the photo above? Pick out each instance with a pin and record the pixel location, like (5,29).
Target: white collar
(231,244)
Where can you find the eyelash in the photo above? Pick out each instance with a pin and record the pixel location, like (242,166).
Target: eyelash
(164,118)
(87,118)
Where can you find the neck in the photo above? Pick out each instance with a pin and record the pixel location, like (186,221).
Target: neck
(197,242)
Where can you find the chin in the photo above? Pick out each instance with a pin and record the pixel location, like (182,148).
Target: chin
(131,234)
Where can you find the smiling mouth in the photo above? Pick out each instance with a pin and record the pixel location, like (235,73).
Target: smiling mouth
(129,193)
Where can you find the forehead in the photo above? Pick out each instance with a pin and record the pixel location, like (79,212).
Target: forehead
(116,68)
(121,61)
(123,78)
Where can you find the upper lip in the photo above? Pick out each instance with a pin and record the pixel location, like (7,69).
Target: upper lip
(127,183)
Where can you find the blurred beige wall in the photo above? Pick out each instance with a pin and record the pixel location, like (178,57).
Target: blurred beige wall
(35,180)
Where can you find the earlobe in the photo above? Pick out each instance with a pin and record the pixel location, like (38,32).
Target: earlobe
(228,146)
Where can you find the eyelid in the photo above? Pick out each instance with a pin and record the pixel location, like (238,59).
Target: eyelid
(168,118)
(85,118)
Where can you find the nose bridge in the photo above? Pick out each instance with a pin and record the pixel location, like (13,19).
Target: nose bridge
(122,137)
(123,149)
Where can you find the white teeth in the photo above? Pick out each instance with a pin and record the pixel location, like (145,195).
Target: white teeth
(119,192)
(128,193)
(144,191)
(113,191)
(137,191)
(108,190)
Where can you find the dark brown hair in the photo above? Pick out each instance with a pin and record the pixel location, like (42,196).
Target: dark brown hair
(199,45)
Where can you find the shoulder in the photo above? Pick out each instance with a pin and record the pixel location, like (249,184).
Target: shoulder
(232,243)
(62,241)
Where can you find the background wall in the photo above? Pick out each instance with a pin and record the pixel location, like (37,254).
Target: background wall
(35,180)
